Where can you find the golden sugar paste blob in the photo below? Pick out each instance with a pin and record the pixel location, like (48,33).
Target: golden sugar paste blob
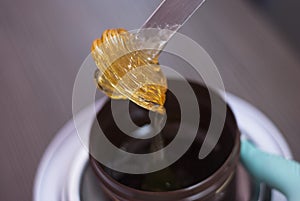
(124,71)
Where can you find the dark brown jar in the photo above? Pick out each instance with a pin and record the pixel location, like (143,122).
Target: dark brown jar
(187,179)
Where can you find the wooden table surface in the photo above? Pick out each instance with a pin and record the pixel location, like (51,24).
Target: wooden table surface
(43,43)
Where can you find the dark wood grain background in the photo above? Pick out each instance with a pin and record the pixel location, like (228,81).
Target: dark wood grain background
(43,43)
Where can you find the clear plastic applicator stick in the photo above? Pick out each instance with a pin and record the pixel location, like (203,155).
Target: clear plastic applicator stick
(171,15)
